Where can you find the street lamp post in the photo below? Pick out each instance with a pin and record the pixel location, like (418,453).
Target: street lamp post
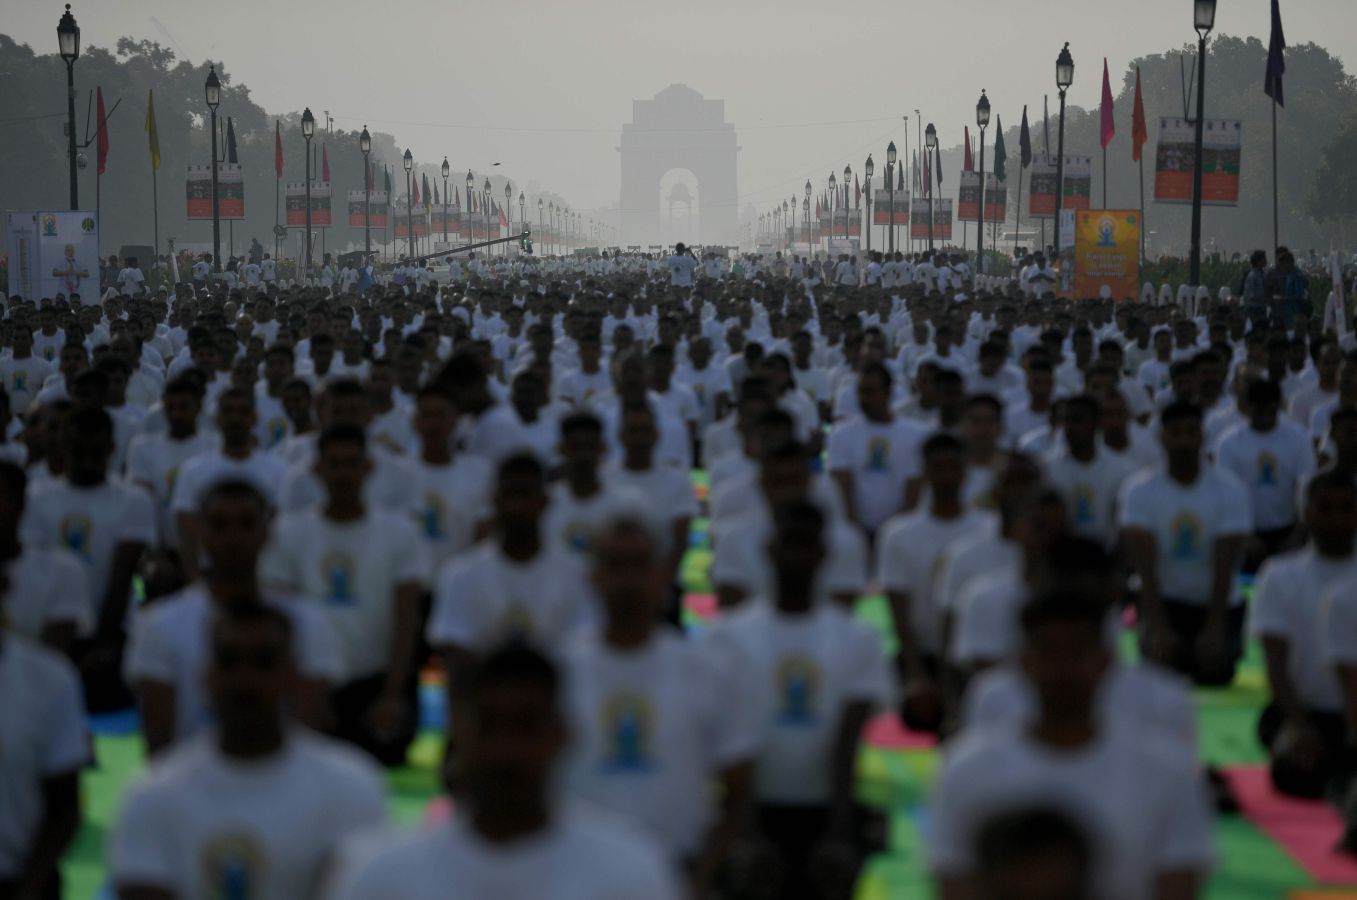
(213,91)
(308,131)
(931,143)
(540,226)
(805,209)
(522,213)
(409,162)
(981,119)
(867,169)
(890,189)
(508,205)
(847,180)
(68,41)
(365,147)
(485,206)
(466,213)
(1204,19)
(833,203)
(447,171)
(1064,77)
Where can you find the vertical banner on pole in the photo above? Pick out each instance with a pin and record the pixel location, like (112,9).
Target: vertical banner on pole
(996,199)
(1041,190)
(230,192)
(52,252)
(321,216)
(942,219)
(1175,158)
(1078,183)
(968,197)
(357,205)
(198,190)
(881,208)
(1107,253)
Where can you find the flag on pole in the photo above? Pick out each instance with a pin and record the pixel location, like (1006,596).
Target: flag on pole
(1046,126)
(1276,58)
(927,176)
(1000,151)
(857,193)
(968,163)
(278,148)
(938,166)
(918,189)
(386,176)
(900,175)
(1025,140)
(1109,125)
(231,154)
(103,131)
(428,195)
(503,220)
(324,164)
(414,193)
(1140,132)
(152,134)
(437,201)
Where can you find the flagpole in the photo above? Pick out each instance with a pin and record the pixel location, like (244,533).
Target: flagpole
(1276,241)
(155,214)
(1104,177)
(1142,210)
(277,195)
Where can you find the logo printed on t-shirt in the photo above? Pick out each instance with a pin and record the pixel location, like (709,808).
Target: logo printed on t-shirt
(878,450)
(20,381)
(798,687)
(1083,505)
(76,533)
(337,570)
(434,510)
(626,728)
(233,865)
(1186,532)
(1267,470)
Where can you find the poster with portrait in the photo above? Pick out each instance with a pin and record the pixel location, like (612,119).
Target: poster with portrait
(372,204)
(968,197)
(54,252)
(1041,198)
(230,192)
(881,208)
(996,199)
(1078,182)
(294,196)
(941,219)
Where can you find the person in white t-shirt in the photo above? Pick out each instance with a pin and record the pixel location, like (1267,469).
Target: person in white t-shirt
(516,838)
(1272,458)
(1184,529)
(1088,477)
(154,460)
(107,524)
(1150,833)
(169,645)
(1299,613)
(814,675)
(236,458)
(452,491)
(517,583)
(368,567)
(46,745)
(681,265)
(254,807)
(581,501)
(875,455)
(911,549)
(23,373)
(654,721)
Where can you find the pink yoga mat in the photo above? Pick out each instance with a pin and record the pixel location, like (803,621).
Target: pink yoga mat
(1307,829)
(887,732)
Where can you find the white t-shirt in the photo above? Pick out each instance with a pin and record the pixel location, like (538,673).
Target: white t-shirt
(571,522)
(495,434)
(154,460)
(911,551)
(578,388)
(171,644)
(1289,603)
(681,270)
(973,557)
(1137,796)
(741,558)
(1186,523)
(1274,467)
(354,569)
(580,855)
(90,522)
(652,726)
(801,671)
(483,598)
(986,626)
(200,824)
(42,718)
(668,496)
(1141,696)
(390,484)
(199,474)
(882,457)
(46,587)
(1090,490)
(23,378)
(450,501)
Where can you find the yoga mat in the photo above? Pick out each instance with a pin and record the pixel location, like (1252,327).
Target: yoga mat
(887,732)
(1307,829)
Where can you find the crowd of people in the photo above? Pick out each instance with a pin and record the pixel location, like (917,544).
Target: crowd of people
(257,512)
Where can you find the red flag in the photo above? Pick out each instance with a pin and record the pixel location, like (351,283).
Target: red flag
(278,148)
(324,164)
(414,197)
(1140,132)
(968,165)
(503,222)
(1109,129)
(103,131)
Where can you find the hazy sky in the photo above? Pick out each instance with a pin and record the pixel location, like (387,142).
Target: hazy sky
(545,87)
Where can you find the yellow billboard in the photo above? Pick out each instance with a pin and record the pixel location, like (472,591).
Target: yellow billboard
(1107,253)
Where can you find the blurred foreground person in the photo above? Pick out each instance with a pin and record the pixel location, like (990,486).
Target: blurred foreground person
(508,837)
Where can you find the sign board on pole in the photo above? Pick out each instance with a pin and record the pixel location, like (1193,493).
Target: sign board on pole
(294,196)
(1107,253)
(53,252)
(1175,159)
(942,219)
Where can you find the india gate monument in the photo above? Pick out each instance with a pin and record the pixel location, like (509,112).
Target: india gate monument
(678,170)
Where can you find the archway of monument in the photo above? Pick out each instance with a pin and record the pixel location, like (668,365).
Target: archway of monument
(680,206)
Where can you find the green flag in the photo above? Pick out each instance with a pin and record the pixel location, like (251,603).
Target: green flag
(1000,152)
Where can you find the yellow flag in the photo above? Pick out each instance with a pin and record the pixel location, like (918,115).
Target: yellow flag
(154,136)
